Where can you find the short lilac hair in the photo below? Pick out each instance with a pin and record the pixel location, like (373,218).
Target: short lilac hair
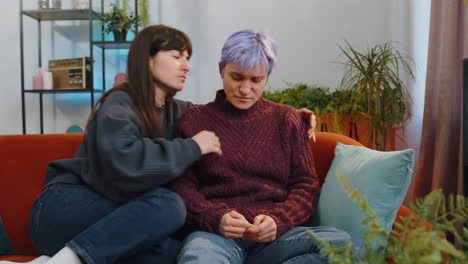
(248,48)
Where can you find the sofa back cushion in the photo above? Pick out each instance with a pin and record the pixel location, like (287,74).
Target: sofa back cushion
(25,158)
(324,151)
(24,161)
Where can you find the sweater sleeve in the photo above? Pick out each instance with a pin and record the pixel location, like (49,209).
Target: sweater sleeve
(303,185)
(130,163)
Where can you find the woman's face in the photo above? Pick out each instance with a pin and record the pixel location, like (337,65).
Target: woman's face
(169,69)
(244,88)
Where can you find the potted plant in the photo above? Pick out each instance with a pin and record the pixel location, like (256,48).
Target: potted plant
(437,233)
(119,22)
(332,108)
(373,79)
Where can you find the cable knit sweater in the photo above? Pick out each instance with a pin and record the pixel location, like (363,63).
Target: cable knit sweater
(266,166)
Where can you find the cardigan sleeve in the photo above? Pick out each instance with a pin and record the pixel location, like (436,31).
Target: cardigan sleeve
(131,156)
(119,162)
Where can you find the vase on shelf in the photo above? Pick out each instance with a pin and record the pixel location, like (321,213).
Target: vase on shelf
(50,4)
(120,35)
(80,4)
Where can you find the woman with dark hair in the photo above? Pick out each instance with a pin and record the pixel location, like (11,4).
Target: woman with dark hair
(108,203)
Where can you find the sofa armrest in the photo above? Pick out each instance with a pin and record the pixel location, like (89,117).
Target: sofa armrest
(401,214)
(24,162)
(405,211)
(324,150)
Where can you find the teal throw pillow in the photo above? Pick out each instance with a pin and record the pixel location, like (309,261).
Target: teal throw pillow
(383,177)
(5,246)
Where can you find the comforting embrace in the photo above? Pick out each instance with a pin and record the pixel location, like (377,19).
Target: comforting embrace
(236,175)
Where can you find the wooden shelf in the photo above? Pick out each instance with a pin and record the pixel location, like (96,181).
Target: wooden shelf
(64,91)
(62,14)
(113,44)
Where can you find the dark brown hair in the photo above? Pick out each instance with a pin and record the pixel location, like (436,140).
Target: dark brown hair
(146,44)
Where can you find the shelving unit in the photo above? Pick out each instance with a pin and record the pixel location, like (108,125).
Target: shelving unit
(112,44)
(65,91)
(89,15)
(62,14)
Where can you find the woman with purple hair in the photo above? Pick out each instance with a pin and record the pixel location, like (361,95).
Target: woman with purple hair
(250,203)
(109,204)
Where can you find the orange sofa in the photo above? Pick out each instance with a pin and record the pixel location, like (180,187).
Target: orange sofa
(24,160)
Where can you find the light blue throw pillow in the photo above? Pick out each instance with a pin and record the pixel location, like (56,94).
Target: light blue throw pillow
(383,177)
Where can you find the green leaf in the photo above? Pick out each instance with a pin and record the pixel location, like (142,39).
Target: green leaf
(410,241)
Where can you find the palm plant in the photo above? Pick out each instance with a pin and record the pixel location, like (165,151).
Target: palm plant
(373,78)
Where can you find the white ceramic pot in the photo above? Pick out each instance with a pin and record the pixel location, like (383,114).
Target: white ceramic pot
(50,4)
(80,4)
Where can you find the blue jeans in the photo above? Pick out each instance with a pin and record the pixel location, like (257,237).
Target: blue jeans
(295,246)
(101,231)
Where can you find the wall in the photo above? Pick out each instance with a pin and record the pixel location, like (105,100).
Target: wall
(307,32)
(10,111)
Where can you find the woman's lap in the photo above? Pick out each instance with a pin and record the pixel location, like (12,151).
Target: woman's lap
(294,246)
(77,216)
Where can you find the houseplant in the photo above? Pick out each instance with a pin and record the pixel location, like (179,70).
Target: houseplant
(411,241)
(374,81)
(119,22)
(332,108)
(302,95)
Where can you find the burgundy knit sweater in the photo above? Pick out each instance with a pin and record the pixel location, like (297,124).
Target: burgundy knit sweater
(266,166)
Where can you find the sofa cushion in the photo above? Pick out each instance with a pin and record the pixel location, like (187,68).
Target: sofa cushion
(5,246)
(323,149)
(17,258)
(383,177)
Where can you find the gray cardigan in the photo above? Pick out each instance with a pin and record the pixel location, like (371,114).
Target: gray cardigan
(115,160)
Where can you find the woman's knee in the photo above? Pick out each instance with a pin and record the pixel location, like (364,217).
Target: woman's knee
(205,247)
(46,243)
(177,206)
(175,199)
(156,195)
(332,234)
(47,229)
(196,238)
(168,203)
(61,212)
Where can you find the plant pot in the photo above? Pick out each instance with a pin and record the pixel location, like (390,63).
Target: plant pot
(80,4)
(356,127)
(359,128)
(120,35)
